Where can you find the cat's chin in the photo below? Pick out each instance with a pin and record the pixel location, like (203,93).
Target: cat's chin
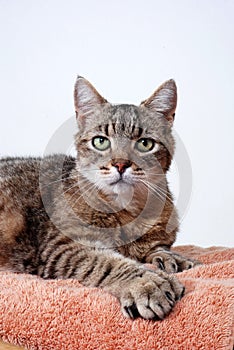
(121,193)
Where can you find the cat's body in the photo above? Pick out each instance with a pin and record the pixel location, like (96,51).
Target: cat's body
(98,217)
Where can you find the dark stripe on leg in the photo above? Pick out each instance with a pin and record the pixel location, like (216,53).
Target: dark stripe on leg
(91,268)
(106,273)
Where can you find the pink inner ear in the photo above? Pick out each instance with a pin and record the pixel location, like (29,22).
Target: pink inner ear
(170,118)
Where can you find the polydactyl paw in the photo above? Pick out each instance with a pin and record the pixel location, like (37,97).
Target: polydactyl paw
(170,262)
(151,296)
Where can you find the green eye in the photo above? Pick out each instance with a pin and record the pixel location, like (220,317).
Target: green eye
(145,145)
(101,143)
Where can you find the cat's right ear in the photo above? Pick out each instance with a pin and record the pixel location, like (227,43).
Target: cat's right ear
(164,100)
(86,99)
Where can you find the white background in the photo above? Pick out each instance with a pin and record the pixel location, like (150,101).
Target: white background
(126,48)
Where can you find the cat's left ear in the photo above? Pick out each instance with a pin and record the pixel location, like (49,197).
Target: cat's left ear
(86,99)
(164,100)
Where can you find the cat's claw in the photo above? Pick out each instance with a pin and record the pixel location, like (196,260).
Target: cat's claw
(171,262)
(151,296)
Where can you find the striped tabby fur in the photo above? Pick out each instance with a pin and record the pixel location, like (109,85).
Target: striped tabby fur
(99,217)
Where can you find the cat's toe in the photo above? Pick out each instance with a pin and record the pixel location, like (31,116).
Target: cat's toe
(187,264)
(164,261)
(170,261)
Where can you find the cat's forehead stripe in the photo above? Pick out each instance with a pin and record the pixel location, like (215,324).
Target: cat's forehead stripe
(107,129)
(130,130)
(122,120)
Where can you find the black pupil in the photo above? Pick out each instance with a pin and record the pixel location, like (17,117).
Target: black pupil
(102,140)
(144,142)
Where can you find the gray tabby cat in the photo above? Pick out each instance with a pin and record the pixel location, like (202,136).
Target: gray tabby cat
(99,217)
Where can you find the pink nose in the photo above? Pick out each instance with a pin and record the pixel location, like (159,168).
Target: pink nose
(122,166)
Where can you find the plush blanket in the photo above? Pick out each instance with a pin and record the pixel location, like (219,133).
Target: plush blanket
(39,314)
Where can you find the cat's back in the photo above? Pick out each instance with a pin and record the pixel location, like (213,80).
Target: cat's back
(18,175)
(16,167)
(18,193)
(21,179)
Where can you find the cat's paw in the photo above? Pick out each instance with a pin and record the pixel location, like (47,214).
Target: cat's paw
(171,262)
(151,296)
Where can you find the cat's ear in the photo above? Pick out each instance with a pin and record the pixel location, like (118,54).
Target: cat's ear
(164,100)
(86,99)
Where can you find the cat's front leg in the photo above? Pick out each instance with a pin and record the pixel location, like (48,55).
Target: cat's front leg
(141,292)
(169,261)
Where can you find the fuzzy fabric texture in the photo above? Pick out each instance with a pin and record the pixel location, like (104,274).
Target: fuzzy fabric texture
(62,314)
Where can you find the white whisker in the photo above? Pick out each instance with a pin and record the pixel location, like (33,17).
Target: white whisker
(155,189)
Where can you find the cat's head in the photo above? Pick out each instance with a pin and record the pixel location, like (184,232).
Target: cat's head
(124,147)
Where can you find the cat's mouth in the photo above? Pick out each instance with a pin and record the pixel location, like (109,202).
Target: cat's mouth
(120,180)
